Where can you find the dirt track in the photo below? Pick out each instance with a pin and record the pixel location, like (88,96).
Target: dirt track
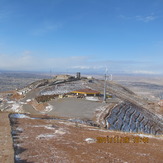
(6,145)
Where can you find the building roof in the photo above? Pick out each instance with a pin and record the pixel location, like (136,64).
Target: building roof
(86,91)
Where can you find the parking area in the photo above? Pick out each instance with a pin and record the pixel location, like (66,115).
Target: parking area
(74,107)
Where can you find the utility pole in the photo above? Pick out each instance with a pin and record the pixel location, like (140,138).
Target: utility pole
(105,78)
(105,86)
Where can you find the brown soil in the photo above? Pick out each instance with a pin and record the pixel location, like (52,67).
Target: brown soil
(16,96)
(38,106)
(62,141)
(6,145)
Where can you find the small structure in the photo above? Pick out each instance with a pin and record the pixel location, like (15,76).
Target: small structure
(60,96)
(23,91)
(90,77)
(86,92)
(78,75)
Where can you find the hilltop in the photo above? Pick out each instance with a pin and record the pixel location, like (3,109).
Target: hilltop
(69,121)
(123,110)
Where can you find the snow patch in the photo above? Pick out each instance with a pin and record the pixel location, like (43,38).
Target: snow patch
(48,109)
(19,129)
(45,136)
(49,136)
(10,102)
(22,103)
(15,107)
(17,157)
(19,116)
(62,89)
(28,100)
(60,132)
(99,112)
(143,154)
(150,136)
(90,140)
(49,127)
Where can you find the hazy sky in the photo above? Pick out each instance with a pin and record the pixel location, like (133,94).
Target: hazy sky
(82,35)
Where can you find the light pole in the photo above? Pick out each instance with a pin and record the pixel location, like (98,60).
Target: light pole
(105,78)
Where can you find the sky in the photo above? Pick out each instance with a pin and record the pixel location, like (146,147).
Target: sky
(126,36)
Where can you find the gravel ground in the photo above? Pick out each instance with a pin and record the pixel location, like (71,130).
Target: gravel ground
(73,107)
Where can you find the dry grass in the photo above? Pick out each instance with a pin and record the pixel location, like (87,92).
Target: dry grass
(62,141)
